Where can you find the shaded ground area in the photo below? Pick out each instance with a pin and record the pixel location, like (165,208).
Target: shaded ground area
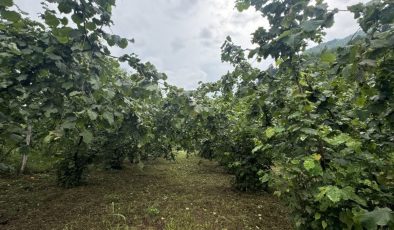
(186,194)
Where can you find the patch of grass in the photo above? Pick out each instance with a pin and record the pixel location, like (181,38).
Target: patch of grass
(189,193)
(37,162)
(152,211)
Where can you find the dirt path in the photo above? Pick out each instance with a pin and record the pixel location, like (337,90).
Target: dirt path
(164,195)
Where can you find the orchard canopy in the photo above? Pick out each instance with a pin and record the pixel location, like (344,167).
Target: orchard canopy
(316,129)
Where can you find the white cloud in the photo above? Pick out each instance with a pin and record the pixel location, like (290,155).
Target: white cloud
(187,77)
(345,23)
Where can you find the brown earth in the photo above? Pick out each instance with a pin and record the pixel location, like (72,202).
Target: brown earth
(187,194)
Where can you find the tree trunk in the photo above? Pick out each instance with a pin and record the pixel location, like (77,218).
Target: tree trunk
(24,156)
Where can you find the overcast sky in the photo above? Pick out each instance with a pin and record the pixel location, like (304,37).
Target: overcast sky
(183,37)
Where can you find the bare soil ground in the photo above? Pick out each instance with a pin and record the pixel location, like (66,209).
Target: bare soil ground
(187,194)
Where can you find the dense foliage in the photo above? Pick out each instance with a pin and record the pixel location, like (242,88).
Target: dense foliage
(61,88)
(315,129)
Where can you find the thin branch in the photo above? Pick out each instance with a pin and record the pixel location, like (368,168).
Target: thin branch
(20,10)
(339,10)
(351,39)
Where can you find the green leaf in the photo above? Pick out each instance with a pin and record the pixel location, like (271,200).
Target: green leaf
(110,40)
(270,132)
(6,3)
(257,148)
(152,87)
(309,131)
(123,43)
(53,135)
(349,194)
(242,5)
(92,115)
(324,224)
(87,136)
(91,26)
(77,18)
(49,111)
(334,194)
(62,34)
(309,164)
(67,85)
(265,178)
(110,93)
(75,93)
(311,25)
(252,53)
(109,117)
(68,125)
(353,144)
(328,57)
(378,217)
(337,140)
(11,15)
(64,21)
(16,137)
(51,20)
(381,43)
(65,7)
(47,139)
(293,40)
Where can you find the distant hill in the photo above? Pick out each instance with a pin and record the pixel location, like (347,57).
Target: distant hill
(333,44)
